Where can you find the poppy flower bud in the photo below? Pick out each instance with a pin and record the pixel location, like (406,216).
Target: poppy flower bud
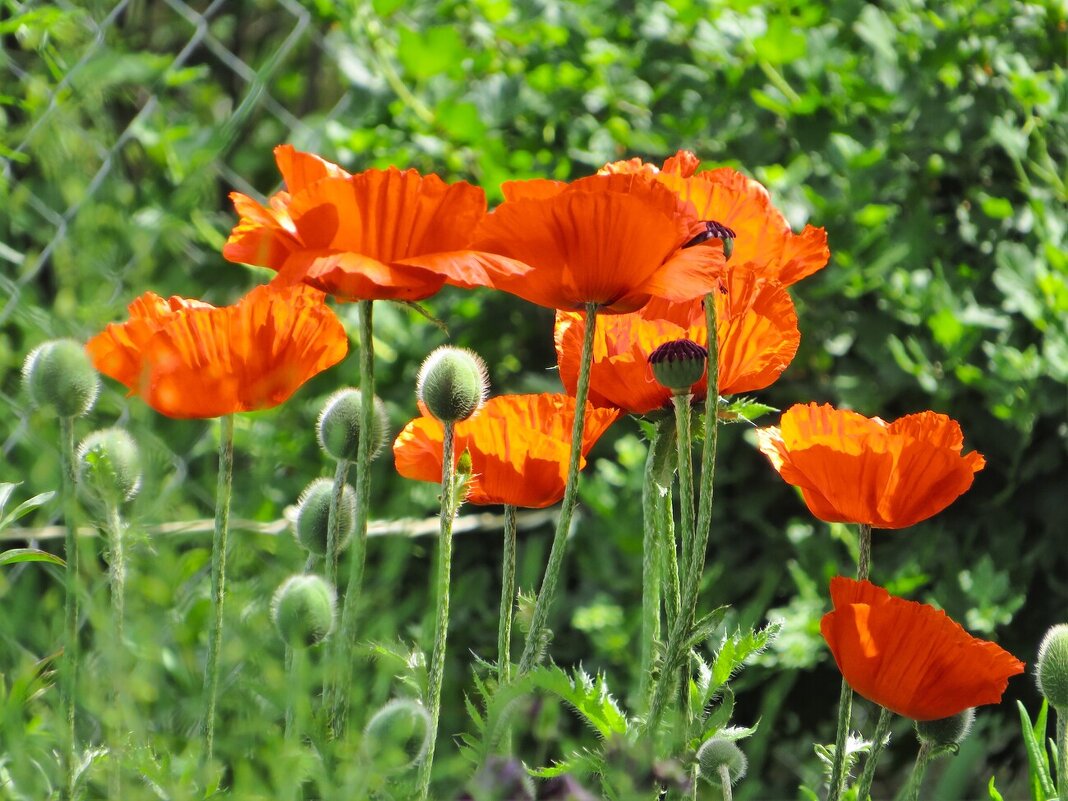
(946,731)
(452,383)
(679,364)
(338,428)
(397,736)
(1052,670)
(303,610)
(59,374)
(717,752)
(313,515)
(109,466)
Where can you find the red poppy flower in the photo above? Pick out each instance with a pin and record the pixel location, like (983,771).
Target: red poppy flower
(757,335)
(852,469)
(909,657)
(519,446)
(764,237)
(613,240)
(186,358)
(353,236)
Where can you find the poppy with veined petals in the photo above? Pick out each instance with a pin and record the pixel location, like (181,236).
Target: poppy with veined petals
(756,330)
(612,240)
(763,237)
(189,359)
(354,236)
(519,446)
(909,657)
(854,469)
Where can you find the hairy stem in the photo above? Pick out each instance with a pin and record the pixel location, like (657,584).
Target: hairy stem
(912,790)
(333,525)
(218,576)
(117,579)
(532,650)
(864,556)
(838,765)
(504,626)
(867,776)
(71,646)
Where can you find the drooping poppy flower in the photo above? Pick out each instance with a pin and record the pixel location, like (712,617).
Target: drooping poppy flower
(189,359)
(763,236)
(909,657)
(756,331)
(854,469)
(353,236)
(613,240)
(519,446)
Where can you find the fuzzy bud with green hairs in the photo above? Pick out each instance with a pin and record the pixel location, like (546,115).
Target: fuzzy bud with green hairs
(59,375)
(679,364)
(397,736)
(338,429)
(452,383)
(717,752)
(946,731)
(313,516)
(303,610)
(1052,668)
(109,466)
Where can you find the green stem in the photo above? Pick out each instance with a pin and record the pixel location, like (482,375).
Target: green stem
(864,556)
(117,579)
(71,647)
(652,553)
(504,626)
(725,782)
(532,650)
(838,765)
(912,791)
(684,442)
(882,728)
(345,645)
(291,692)
(441,631)
(1062,754)
(218,575)
(333,525)
(117,572)
(669,556)
(296,698)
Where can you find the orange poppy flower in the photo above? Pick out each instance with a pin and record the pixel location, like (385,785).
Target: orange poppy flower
(852,469)
(764,237)
(188,359)
(613,240)
(909,657)
(519,446)
(756,331)
(353,236)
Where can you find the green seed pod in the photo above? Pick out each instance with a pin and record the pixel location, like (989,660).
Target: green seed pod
(1052,668)
(59,375)
(716,752)
(313,516)
(338,429)
(678,365)
(452,383)
(397,736)
(946,731)
(109,466)
(303,610)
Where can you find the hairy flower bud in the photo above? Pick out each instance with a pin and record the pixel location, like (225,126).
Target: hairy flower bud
(313,515)
(109,466)
(303,610)
(717,752)
(946,731)
(679,364)
(452,383)
(397,736)
(59,375)
(1052,668)
(338,428)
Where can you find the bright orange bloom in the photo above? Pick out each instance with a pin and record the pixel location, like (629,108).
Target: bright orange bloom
(354,236)
(519,446)
(852,469)
(764,237)
(756,331)
(909,657)
(613,240)
(189,359)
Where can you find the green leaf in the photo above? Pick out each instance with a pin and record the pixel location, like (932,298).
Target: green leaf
(994,794)
(431,52)
(16,555)
(26,507)
(782,43)
(1042,788)
(744,410)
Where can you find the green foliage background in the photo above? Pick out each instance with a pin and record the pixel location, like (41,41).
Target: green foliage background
(929,142)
